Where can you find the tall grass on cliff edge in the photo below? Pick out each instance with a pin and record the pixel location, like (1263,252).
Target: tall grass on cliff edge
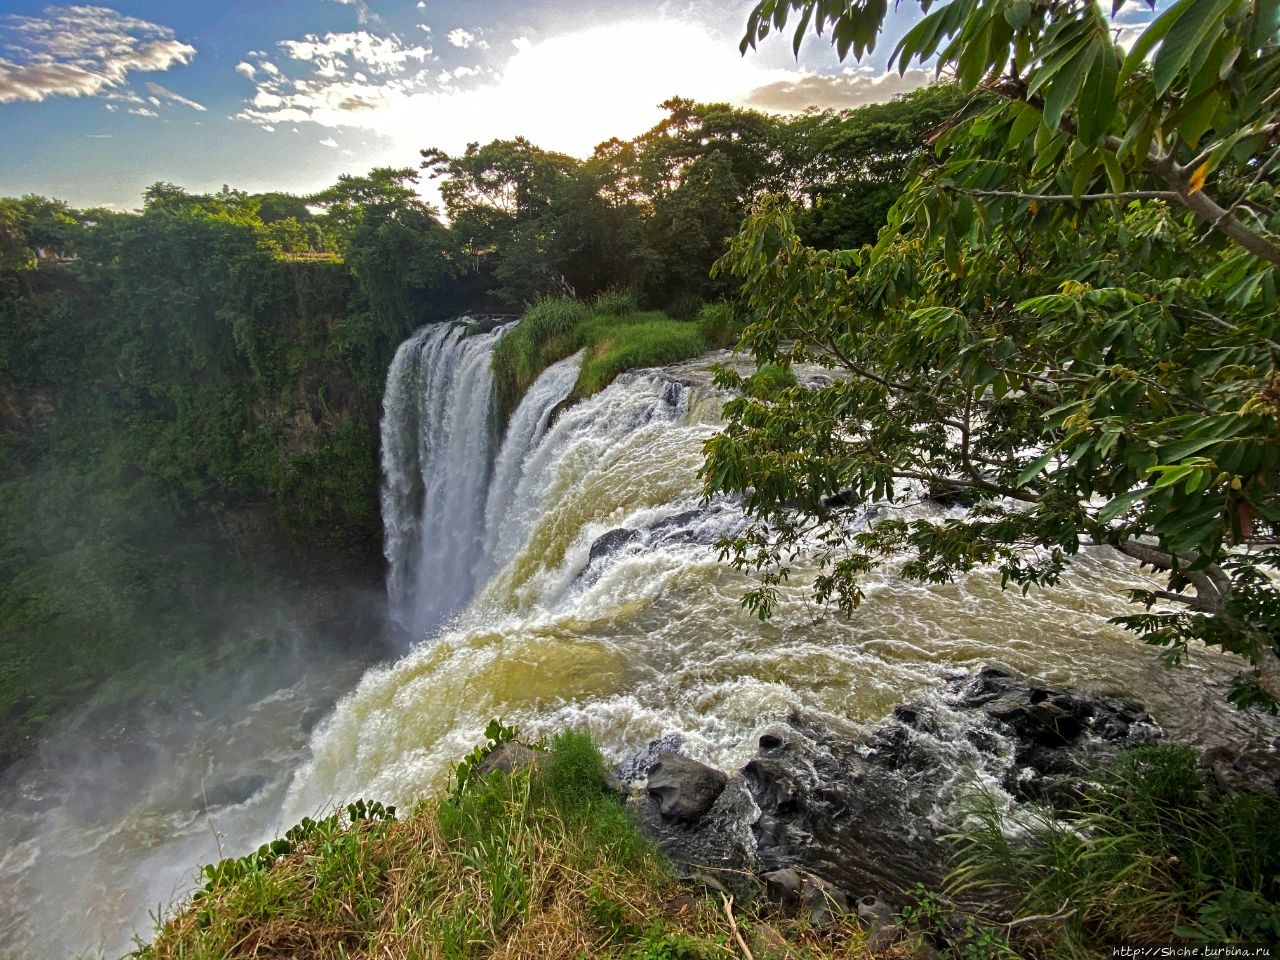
(617,335)
(1156,855)
(539,864)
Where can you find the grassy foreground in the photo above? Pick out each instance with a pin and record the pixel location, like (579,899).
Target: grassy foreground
(539,864)
(546,863)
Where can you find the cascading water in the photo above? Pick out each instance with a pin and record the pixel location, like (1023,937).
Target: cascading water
(610,610)
(601,604)
(441,512)
(437,452)
(524,432)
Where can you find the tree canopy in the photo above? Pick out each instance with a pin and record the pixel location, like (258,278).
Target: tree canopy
(1070,321)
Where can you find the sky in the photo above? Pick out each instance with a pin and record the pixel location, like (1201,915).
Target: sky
(100,100)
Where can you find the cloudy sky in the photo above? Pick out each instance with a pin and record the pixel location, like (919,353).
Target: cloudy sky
(99,100)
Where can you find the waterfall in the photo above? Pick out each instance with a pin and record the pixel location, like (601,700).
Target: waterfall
(524,432)
(438,439)
(447,484)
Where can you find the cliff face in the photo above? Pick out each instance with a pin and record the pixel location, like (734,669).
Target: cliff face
(187,424)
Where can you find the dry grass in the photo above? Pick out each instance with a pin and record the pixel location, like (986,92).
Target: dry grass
(536,866)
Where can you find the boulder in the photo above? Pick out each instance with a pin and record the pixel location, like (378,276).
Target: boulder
(683,788)
(508,757)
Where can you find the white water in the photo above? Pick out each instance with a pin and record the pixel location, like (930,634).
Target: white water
(644,639)
(648,638)
(525,431)
(438,442)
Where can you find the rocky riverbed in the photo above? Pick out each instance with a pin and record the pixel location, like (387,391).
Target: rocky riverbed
(817,823)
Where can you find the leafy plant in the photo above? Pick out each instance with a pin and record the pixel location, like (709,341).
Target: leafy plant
(1154,855)
(1059,319)
(495,734)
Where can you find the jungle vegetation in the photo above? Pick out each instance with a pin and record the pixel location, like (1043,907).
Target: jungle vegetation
(190,393)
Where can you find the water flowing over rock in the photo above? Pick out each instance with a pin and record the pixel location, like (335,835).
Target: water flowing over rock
(447,483)
(437,451)
(602,603)
(824,818)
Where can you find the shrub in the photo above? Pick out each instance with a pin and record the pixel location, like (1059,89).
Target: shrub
(616,302)
(1156,855)
(719,325)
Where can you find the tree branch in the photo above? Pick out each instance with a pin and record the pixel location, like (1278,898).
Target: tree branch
(1069,198)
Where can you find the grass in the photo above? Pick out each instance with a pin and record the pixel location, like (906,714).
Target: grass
(540,864)
(1155,855)
(616,335)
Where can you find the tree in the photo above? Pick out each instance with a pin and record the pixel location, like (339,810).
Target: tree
(1071,321)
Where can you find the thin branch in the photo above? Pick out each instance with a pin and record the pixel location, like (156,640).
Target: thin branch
(1067,197)
(1229,326)
(733,926)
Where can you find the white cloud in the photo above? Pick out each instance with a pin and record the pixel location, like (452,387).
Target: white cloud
(461,38)
(851,88)
(564,93)
(143,112)
(246,70)
(168,94)
(79,51)
(335,53)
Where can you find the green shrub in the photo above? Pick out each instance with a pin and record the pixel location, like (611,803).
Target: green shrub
(1156,855)
(615,341)
(615,302)
(685,307)
(649,344)
(719,324)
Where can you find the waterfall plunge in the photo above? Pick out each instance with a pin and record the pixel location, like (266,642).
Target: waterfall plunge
(441,512)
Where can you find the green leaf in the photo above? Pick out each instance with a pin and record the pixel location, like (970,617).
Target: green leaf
(1065,88)
(1123,503)
(1033,469)
(1185,38)
(1097,105)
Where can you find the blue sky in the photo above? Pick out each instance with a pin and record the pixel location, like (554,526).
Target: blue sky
(100,99)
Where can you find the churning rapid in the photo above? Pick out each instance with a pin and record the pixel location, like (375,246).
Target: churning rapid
(579,560)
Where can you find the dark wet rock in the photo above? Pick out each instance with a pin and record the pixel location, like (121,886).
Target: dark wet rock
(770,741)
(508,757)
(611,542)
(1254,767)
(865,816)
(879,917)
(1058,735)
(636,766)
(717,850)
(226,794)
(684,789)
(798,891)
(950,495)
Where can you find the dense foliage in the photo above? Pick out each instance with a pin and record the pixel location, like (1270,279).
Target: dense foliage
(652,214)
(1071,319)
(187,408)
(1153,854)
